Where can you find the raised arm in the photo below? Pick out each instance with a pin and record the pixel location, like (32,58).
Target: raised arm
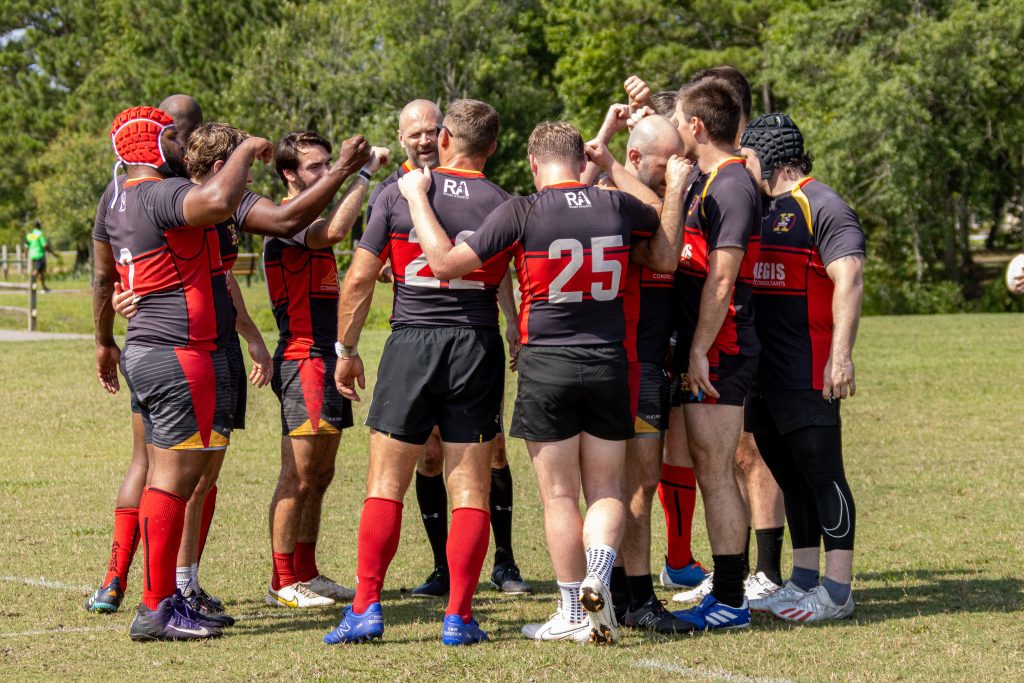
(723,268)
(107,352)
(446,262)
(661,252)
(614,121)
(216,200)
(598,154)
(285,220)
(847,274)
(356,296)
(327,233)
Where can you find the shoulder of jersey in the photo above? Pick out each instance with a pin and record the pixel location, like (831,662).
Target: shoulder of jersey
(734,176)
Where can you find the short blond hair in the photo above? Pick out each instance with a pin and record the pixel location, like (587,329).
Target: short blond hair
(210,143)
(556,141)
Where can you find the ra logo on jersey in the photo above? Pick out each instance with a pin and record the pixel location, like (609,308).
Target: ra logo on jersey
(456,188)
(784,222)
(578,200)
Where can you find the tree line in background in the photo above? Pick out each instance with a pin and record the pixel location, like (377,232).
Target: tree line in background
(912,108)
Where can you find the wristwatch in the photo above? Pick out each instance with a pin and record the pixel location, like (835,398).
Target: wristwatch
(343,351)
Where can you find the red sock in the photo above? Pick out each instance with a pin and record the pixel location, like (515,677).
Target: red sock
(122,550)
(305,561)
(467,547)
(209,505)
(284,570)
(678,494)
(161,520)
(380,527)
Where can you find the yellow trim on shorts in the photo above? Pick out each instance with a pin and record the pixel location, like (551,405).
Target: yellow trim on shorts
(306,429)
(195,443)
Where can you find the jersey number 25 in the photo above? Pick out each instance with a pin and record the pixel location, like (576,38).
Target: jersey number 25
(599,263)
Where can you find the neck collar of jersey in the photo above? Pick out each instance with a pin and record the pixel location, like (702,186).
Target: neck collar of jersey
(136,181)
(729,160)
(564,185)
(459,172)
(407,165)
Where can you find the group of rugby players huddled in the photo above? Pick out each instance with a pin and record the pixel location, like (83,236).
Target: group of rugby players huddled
(670,306)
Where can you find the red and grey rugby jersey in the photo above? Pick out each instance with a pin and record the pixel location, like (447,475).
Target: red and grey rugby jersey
(461,200)
(228,234)
(571,244)
(805,230)
(385,184)
(303,285)
(174,268)
(723,209)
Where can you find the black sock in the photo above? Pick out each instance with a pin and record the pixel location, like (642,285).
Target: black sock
(746,555)
(619,587)
(769,553)
(641,589)
(501,514)
(729,574)
(433,499)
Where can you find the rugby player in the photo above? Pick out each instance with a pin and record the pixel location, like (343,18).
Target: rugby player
(160,227)
(302,277)
(442,365)
(186,113)
(716,350)
(808,285)
(573,405)
(418,127)
(652,142)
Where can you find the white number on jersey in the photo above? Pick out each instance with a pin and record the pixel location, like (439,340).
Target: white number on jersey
(413,268)
(557,295)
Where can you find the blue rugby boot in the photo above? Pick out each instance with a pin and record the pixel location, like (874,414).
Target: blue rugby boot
(358,628)
(712,614)
(458,632)
(106,599)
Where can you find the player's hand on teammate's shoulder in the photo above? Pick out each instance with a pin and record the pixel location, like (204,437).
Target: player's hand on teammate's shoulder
(677,171)
(839,381)
(347,372)
(124,302)
(639,115)
(599,154)
(261,149)
(353,155)
(108,356)
(415,182)
(638,91)
(262,364)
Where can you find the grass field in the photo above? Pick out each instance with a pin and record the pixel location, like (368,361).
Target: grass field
(934,451)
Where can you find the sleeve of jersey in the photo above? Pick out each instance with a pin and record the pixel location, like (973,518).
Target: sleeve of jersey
(502,228)
(376,237)
(249,200)
(837,230)
(168,201)
(732,210)
(643,219)
(99,226)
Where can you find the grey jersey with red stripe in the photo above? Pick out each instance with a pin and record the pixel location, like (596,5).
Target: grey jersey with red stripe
(462,200)
(723,209)
(174,268)
(571,244)
(805,230)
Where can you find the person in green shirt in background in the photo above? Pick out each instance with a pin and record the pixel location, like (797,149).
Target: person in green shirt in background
(37,248)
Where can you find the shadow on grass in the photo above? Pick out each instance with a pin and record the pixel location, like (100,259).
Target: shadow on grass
(886,596)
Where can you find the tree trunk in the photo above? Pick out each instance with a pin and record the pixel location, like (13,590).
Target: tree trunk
(766,97)
(998,211)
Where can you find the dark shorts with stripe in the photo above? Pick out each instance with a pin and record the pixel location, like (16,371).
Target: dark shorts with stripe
(782,412)
(654,401)
(183,394)
(566,390)
(449,377)
(732,376)
(239,383)
(310,402)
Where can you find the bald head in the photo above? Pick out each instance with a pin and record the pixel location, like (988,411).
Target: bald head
(654,135)
(417,132)
(186,113)
(653,140)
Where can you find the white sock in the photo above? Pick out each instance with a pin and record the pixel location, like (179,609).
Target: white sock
(194,576)
(182,575)
(571,607)
(600,560)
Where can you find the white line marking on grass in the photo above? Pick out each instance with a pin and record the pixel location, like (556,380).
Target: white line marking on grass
(704,674)
(46,583)
(55,631)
